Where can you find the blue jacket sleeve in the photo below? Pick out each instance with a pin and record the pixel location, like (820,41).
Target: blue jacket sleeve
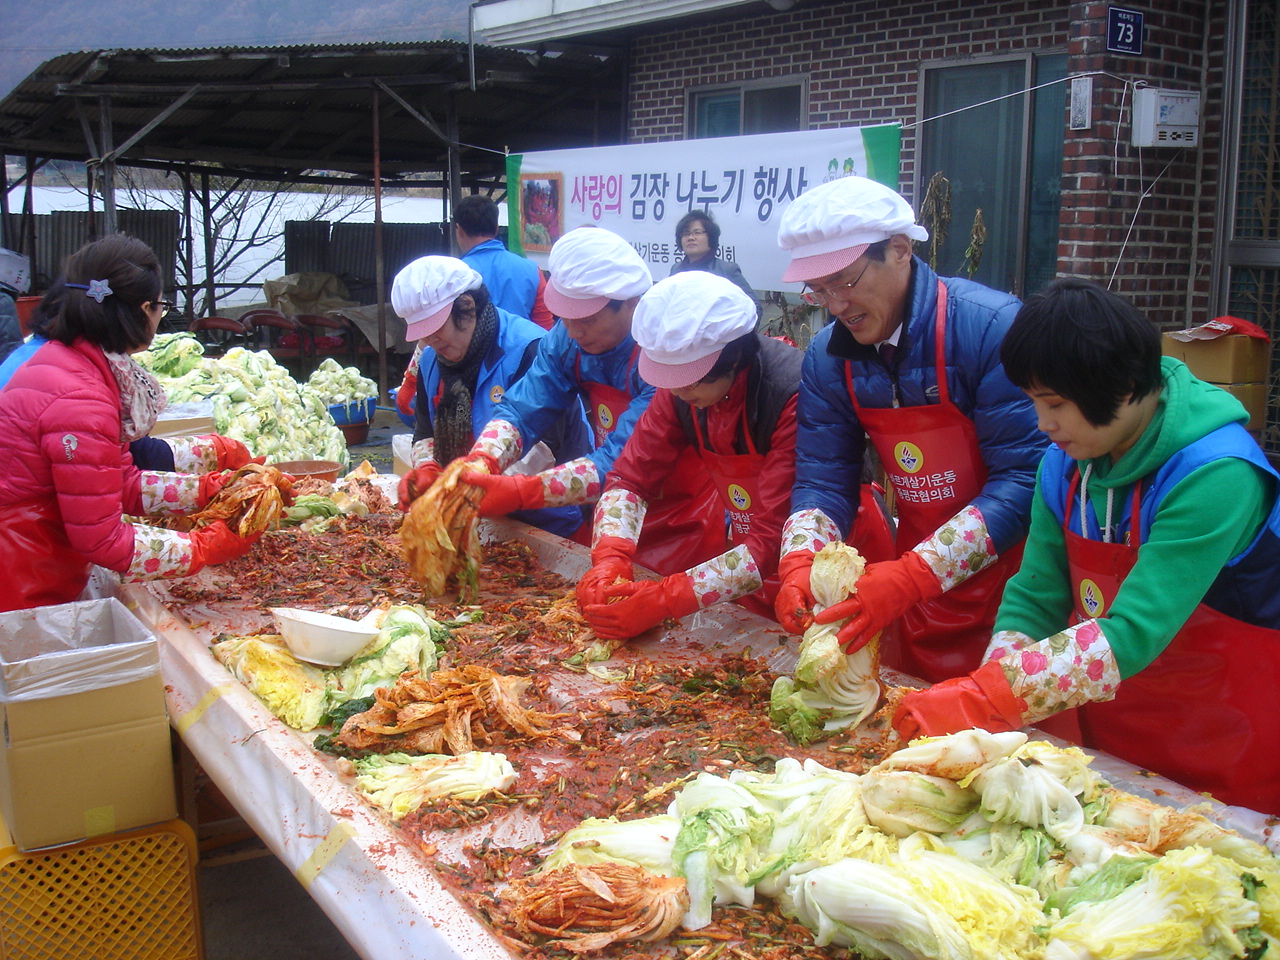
(534,402)
(1003,416)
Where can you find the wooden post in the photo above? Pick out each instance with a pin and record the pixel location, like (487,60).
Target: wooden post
(380,266)
(107,141)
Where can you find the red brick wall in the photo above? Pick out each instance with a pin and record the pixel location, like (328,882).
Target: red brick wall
(863,62)
(1145,217)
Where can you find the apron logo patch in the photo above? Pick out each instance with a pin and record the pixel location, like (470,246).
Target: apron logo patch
(605,416)
(1091,599)
(496,394)
(908,456)
(739,497)
(69,444)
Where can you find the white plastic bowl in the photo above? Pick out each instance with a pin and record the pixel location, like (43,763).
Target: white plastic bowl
(321,638)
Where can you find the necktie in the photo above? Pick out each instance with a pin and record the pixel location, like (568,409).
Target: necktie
(887,351)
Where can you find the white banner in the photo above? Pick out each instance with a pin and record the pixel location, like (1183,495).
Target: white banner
(640,191)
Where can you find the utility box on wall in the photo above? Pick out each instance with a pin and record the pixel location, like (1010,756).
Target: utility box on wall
(1166,118)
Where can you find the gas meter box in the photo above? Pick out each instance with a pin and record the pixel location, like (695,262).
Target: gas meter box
(1166,118)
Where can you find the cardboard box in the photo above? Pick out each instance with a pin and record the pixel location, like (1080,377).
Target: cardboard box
(1231,358)
(86,747)
(1254,398)
(185,420)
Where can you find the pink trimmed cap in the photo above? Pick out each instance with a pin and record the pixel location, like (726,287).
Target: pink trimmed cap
(423,293)
(590,266)
(827,228)
(683,324)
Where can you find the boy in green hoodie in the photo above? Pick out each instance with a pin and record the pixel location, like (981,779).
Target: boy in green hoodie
(1152,565)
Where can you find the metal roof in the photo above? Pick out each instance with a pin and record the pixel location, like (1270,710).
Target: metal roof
(288,112)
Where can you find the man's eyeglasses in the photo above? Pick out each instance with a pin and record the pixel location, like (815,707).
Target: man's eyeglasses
(820,298)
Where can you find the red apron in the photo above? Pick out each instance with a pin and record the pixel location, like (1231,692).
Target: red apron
(1202,713)
(934,464)
(736,477)
(686,519)
(41,567)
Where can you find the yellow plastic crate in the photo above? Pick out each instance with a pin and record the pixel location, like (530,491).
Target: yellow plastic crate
(123,896)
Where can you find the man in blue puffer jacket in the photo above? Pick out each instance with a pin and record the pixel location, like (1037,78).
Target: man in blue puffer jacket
(913,364)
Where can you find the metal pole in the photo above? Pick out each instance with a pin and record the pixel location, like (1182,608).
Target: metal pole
(29,213)
(4,201)
(455,159)
(207,215)
(109,222)
(380,267)
(189,242)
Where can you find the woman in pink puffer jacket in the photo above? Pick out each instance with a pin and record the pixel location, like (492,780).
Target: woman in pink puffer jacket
(66,420)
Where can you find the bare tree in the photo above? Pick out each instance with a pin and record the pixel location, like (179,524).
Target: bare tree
(246,220)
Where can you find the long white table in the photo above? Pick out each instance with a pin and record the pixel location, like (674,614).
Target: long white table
(378,888)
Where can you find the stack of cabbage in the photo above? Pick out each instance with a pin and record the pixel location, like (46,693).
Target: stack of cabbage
(255,400)
(965,847)
(337,385)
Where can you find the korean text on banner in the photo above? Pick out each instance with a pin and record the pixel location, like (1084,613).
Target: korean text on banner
(639,191)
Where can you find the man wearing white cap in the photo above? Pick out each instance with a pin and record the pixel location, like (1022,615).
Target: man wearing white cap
(727,397)
(472,353)
(913,364)
(596,281)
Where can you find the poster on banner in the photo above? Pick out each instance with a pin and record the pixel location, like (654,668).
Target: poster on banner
(640,191)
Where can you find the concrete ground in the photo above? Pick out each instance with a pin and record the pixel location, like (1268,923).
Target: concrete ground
(251,906)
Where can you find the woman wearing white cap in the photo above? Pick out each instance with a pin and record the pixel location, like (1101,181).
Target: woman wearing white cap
(472,352)
(913,364)
(727,397)
(596,281)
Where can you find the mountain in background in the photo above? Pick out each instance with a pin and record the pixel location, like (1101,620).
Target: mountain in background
(65,26)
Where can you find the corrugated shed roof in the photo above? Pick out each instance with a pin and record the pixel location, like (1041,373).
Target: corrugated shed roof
(286,111)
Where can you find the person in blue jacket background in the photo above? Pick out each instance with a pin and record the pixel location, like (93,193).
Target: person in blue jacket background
(913,364)
(472,353)
(589,357)
(512,280)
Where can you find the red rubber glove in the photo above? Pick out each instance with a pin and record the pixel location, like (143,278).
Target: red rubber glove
(216,543)
(405,394)
(642,605)
(610,562)
(417,482)
(885,591)
(504,495)
(794,603)
(210,484)
(982,699)
(232,454)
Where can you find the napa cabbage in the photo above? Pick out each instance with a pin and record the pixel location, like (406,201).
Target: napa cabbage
(400,783)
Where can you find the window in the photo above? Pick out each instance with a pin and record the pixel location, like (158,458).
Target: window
(1014,179)
(766,106)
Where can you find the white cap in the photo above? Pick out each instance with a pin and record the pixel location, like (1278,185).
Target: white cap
(424,291)
(683,323)
(827,228)
(589,267)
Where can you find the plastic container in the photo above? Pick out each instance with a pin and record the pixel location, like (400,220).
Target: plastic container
(356,433)
(320,638)
(302,469)
(359,412)
(129,894)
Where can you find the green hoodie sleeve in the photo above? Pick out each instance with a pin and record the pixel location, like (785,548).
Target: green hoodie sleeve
(1037,599)
(1195,532)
